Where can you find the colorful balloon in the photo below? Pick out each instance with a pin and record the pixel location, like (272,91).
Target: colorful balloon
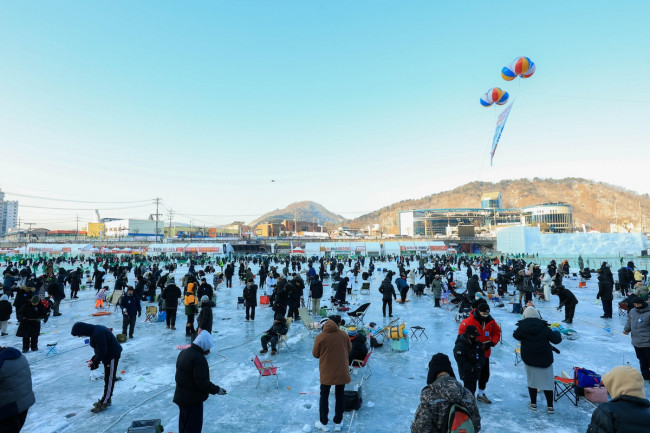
(494,96)
(521,66)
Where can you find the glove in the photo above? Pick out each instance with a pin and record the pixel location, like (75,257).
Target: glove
(124,312)
(139,313)
(488,344)
(558,308)
(221,391)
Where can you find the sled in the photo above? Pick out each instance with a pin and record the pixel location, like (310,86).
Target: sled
(101,313)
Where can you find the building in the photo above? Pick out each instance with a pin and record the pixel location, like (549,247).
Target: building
(291,226)
(268,230)
(550,217)
(129,227)
(9,216)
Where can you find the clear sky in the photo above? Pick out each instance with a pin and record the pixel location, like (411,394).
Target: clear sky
(354,105)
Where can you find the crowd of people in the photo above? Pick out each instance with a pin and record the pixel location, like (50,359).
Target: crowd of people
(33,297)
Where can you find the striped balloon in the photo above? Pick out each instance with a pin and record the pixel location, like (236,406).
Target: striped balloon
(494,96)
(522,67)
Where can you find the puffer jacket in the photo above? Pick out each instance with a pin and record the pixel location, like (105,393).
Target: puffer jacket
(638,322)
(102,341)
(16,393)
(623,414)
(436,287)
(435,401)
(193,385)
(536,338)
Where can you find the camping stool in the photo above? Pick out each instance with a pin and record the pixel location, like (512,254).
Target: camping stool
(365,288)
(240,302)
(417,332)
(152,314)
(51,349)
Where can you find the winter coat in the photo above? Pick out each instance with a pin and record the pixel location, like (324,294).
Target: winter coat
(16,395)
(605,289)
(102,341)
(130,305)
(359,348)
(204,319)
(30,319)
(250,295)
(435,401)
(567,298)
(5,310)
(171,294)
(488,329)
(622,414)
(473,286)
(468,356)
(401,284)
(436,285)
(190,300)
(205,290)
(332,347)
(536,338)
(193,384)
(341,289)
(638,322)
(23,296)
(387,290)
(316,289)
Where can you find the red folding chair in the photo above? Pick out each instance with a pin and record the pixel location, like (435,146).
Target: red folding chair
(358,363)
(266,369)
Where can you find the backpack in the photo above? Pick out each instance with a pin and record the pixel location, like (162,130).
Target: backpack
(458,420)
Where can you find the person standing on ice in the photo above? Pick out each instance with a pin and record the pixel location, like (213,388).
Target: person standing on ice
(16,395)
(567,300)
(489,335)
(107,352)
(131,310)
(605,291)
(193,385)
(331,348)
(638,323)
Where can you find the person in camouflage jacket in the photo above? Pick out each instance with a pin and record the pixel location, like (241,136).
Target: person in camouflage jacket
(436,398)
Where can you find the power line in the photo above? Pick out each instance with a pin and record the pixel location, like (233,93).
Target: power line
(71,208)
(72,201)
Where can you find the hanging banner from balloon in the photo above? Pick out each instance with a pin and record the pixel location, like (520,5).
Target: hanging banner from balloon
(501,123)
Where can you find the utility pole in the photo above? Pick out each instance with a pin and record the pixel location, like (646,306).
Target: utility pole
(77,231)
(29,230)
(157,201)
(171,215)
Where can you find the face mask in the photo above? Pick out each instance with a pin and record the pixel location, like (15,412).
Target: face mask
(129,294)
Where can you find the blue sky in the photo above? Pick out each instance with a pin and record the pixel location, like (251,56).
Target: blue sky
(354,105)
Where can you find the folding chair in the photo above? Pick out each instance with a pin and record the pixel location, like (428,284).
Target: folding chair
(114,300)
(417,332)
(365,288)
(566,387)
(51,350)
(240,302)
(310,325)
(518,354)
(384,331)
(283,339)
(266,369)
(151,314)
(623,308)
(356,316)
(358,363)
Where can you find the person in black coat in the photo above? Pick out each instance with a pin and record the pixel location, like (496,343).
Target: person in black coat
(204,319)
(628,411)
(359,345)
(193,385)
(30,316)
(131,310)
(341,290)
(468,352)
(205,290)
(55,290)
(23,296)
(473,287)
(250,299)
(107,352)
(605,294)
(5,314)
(228,273)
(316,293)
(567,300)
(171,294)
(388,294)
(537,354)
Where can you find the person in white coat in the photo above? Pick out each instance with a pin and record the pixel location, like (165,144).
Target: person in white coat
(546,285)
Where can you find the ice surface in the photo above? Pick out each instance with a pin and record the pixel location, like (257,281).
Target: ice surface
(62,383)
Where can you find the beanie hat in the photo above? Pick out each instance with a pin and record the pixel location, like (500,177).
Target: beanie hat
(35,299)
(323,321)
(471,331)
(204,341)
(205,298)
(336,319)
(352,331)
(531,312)
(483,307)
(624,380)
(439,363)
(635,300)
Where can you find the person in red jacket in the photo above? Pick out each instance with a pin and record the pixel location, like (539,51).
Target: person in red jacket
(489,335)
